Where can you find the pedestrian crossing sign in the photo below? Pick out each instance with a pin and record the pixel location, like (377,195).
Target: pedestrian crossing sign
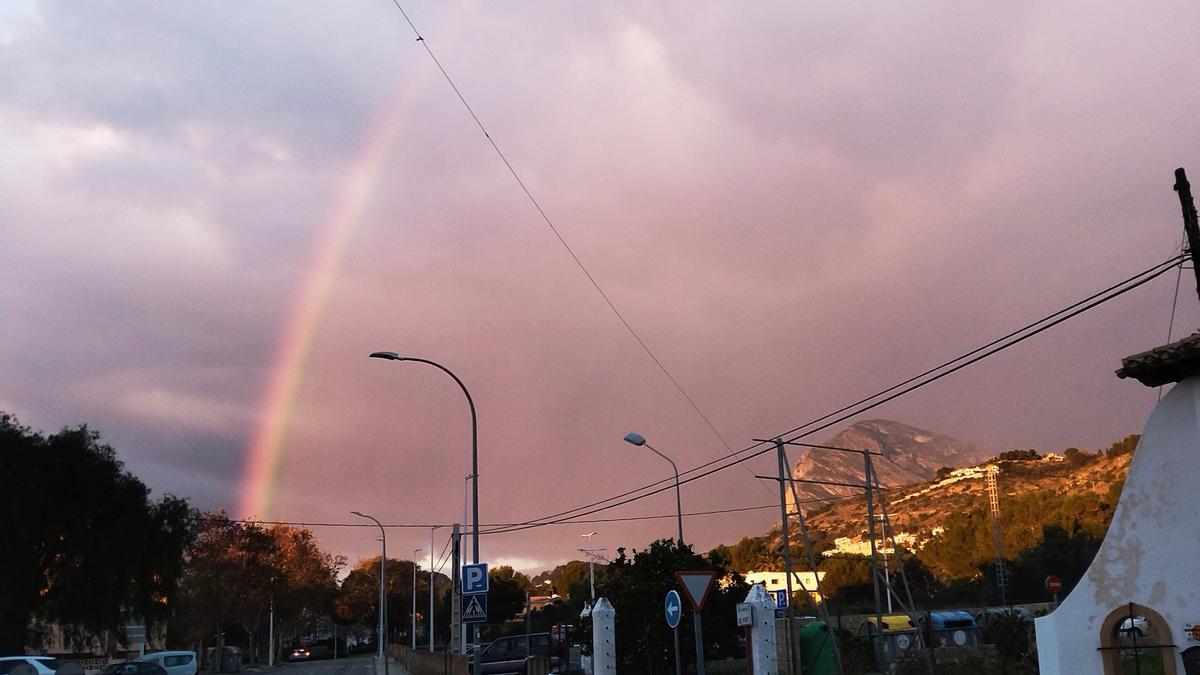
(474,608)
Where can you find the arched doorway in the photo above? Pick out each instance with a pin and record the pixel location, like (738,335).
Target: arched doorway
(1136,640)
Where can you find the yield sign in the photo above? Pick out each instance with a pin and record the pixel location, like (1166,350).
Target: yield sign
(696,585)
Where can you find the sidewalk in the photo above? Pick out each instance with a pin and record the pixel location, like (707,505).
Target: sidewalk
(394,667)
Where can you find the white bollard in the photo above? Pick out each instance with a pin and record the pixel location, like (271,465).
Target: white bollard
(764,651)
(604,638)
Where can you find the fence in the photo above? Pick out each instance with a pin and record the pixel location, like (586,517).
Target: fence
(418,662)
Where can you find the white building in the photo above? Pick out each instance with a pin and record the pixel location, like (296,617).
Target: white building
(1138,605)
(775,581)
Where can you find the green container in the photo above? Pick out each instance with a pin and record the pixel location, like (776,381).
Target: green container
(817,649)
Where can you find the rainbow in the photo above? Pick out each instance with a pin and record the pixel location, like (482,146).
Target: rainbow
(287,372)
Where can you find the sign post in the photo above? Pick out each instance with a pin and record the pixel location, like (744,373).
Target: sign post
(1054,585)
(673,610)
(473,599)
(696,584)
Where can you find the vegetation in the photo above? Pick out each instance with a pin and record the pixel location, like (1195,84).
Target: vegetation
(85,547)
(235,572)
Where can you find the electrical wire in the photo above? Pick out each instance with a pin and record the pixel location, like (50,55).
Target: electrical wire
(928,377)
(562,240)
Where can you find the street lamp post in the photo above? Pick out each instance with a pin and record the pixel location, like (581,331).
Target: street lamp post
(414,599)
(640,440)
(393,356)
(382,591)
(431,624)
(591,565)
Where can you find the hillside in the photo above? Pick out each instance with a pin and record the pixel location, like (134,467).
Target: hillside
(909,456)
(919,512)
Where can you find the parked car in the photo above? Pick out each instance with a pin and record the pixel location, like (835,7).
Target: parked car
(985,617)
(511,655)
(133,668)
(174,662)
(44,665)
(1135,625)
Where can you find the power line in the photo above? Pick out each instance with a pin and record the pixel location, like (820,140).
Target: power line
(891,393)
(562,240)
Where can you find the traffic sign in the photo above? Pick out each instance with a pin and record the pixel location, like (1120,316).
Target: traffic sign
(781,598)
(475,578)
(673,608)
(696,584)
(1054,584)
(474,608)
(745,614)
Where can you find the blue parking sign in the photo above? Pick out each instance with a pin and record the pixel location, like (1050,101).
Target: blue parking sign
(781,598)
(475,578)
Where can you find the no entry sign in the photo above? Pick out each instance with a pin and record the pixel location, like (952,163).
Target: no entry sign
(1054,584)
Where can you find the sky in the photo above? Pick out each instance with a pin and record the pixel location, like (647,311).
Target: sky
(213,212)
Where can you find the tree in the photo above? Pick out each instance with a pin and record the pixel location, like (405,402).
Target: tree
(571,572)
(636,587)
(506,593)
(85,547)
(236,571)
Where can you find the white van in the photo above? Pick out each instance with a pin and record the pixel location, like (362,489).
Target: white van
(175,663)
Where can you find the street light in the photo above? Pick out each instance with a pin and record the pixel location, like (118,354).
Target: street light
(414,598)
(393,356)
(382,591)
(591,565)
(638,439)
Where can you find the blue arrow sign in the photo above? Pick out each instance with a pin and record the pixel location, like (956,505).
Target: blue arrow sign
(781,598)
(475,578)
(474,608)
(673,608)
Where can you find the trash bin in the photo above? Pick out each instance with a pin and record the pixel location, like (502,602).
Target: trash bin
(817,649)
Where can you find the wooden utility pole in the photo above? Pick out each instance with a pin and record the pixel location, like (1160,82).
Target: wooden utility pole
(1184,188)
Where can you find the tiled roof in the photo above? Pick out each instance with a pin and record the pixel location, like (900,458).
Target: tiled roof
(1166,364)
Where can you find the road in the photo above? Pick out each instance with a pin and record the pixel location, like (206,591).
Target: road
(353,665)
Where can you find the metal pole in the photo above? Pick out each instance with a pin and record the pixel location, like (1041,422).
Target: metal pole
(781,456)
(696,623)
(382,591)
(678,661)
(878,637)
(414,600)
(476,666)
(271,635)
(431,624)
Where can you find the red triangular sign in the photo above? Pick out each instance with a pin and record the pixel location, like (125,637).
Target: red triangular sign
(696,584)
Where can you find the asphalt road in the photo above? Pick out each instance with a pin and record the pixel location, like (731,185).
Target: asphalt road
(352,665)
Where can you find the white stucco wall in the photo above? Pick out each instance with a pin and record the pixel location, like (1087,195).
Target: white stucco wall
(1151,553)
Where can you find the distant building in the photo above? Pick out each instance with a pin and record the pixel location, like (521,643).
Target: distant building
(775,581)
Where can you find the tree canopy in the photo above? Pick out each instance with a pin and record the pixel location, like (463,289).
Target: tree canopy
(86,547)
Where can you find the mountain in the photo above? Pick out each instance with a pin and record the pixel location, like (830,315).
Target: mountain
(909,456)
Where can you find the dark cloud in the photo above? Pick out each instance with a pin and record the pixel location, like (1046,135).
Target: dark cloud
(793,207)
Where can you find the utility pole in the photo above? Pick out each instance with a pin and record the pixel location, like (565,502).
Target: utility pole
(878,636)
(997,541)
(1190,225)
(781,456)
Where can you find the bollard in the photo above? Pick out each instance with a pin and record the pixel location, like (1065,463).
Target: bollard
(762,632)
(604,638)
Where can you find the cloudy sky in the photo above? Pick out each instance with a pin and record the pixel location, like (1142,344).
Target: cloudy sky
(212,212)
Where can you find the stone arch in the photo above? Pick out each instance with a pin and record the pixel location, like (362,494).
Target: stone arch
(1157,633)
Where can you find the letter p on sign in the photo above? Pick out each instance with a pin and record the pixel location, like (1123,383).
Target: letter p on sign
(475,578)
